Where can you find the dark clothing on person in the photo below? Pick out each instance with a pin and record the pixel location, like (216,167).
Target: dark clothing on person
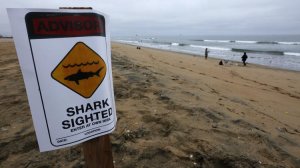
(206,53)
(221,62)
(244,58)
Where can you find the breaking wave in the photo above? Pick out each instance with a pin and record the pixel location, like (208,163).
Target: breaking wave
(127,41)
(292,54)
(212,48)
(258,51)
(250,42)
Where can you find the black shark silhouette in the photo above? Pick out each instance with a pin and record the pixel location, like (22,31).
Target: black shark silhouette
(82,75)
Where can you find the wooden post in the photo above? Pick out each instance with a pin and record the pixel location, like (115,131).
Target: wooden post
(98,152)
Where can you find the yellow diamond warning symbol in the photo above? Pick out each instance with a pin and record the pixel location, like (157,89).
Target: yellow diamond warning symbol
(82,70)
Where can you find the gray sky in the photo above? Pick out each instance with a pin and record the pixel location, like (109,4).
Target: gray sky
(185,17)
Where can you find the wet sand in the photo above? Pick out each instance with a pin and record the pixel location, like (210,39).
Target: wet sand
(174,110)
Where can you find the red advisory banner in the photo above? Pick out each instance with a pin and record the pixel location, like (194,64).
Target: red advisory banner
(55,25)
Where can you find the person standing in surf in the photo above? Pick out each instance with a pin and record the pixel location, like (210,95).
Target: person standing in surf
(244,58)
(206,53)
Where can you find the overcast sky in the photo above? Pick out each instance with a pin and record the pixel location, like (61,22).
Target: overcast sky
(182,17)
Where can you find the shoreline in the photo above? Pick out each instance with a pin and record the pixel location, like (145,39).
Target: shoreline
(210,57)
(10,39)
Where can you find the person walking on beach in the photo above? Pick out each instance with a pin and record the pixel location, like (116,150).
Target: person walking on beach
(244,58)
(206,53)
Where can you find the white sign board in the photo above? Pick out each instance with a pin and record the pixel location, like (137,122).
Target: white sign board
(65,59)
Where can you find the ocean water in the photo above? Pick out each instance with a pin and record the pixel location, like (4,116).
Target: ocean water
(278,51)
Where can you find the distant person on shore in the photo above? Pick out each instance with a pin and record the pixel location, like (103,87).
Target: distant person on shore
(244,58)
(206,53)
(221,62)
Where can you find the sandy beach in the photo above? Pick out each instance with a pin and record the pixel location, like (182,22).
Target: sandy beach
(174,110)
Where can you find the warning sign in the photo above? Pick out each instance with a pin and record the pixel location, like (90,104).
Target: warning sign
(82,70)
(66,64)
